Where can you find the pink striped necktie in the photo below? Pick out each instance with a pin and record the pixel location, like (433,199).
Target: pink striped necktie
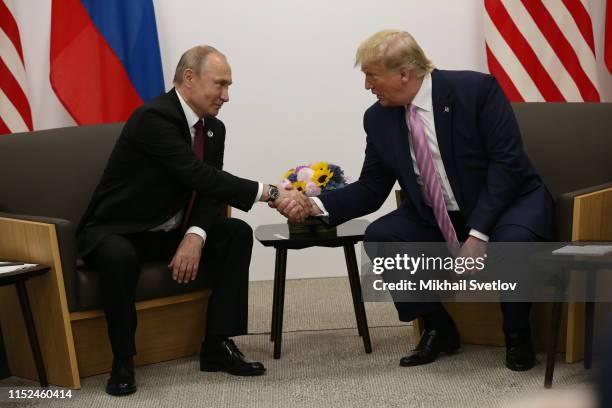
(431,179)
(198,149)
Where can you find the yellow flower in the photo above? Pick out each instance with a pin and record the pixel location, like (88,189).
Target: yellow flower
(288,173)
(322,177)
(320,166)
(299,186)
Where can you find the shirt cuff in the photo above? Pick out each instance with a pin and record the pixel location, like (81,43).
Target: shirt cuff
(479,235)
(198,231)
(319,204)
(259,192)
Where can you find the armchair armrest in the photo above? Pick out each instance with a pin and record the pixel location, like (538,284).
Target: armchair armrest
(564,213)
(66,239)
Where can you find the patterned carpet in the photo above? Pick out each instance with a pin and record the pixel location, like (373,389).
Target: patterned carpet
(324,365)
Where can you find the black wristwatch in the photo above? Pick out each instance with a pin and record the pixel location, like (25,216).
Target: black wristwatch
(272,193)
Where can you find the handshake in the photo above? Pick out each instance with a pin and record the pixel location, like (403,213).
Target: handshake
(294,205)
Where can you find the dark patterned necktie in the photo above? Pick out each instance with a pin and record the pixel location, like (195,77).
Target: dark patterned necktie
(198,149)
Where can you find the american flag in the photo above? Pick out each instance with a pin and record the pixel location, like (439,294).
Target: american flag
(15,114)
(608,36)
(542,50)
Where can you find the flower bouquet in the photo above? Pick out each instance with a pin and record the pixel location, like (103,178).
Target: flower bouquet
(312,180)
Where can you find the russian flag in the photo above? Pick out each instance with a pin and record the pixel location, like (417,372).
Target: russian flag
(105,58)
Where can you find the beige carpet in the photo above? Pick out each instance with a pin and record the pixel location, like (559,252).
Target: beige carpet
(323,364)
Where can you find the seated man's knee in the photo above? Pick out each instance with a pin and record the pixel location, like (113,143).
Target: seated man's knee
(513,233)
(377,232)
(112,255)
(240,230)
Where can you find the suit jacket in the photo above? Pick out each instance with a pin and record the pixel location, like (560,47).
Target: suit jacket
(492,179)
(152,172)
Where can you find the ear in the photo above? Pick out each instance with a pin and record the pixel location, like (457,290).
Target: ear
(188,77)
(404,74)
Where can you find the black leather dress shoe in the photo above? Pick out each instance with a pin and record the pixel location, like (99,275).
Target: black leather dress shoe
(519,351)
(225,356)
(122,380)
(432,343)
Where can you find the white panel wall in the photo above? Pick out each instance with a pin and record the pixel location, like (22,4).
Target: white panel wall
(296,96)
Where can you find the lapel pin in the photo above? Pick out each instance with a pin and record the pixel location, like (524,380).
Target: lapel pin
(446,109)
(210,133)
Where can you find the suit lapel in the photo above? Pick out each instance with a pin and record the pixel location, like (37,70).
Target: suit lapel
(443,110)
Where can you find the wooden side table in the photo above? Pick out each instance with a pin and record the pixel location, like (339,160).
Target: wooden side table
(348,234)
(19,278)
(588,265)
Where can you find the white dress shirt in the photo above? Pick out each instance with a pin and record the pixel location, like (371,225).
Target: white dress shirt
(176,221)
(423,100)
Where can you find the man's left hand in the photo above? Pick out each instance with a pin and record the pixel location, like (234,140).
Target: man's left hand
(472,248)
(186,260)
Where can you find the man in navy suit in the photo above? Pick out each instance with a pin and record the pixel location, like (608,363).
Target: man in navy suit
(452,142)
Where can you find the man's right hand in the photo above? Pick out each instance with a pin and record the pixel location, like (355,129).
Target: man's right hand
(295,207)
(185,262)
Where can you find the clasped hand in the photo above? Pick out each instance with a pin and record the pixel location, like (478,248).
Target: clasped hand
(293,204)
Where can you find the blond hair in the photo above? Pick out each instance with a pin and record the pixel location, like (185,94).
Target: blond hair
(394,49)
(194,58)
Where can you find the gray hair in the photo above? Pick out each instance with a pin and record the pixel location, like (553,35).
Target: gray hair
(194,58)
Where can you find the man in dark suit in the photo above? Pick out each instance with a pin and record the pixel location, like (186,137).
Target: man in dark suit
(162,197)
(451,141)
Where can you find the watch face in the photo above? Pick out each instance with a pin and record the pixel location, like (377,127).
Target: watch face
(273,193)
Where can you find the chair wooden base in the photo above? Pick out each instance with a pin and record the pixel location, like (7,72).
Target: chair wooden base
(75,345)
(481,323)
(168,329)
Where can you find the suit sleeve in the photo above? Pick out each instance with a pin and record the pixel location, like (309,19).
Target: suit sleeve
(158,140)
(502,141)
(364,196)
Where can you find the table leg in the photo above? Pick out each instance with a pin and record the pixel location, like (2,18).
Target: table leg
(588,334)
(360,314)
(589,321)
(354,292)
(553,340)
(275,293)
(280,303)
(31,328)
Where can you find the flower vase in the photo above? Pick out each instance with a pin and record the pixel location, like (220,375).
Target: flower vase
(311,226)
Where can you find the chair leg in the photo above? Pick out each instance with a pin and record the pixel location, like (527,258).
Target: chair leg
(553,341)
(31,328)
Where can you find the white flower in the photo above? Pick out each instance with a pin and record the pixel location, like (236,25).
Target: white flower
(305,174)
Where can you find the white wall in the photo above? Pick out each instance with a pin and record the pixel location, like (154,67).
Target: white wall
(296,97)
